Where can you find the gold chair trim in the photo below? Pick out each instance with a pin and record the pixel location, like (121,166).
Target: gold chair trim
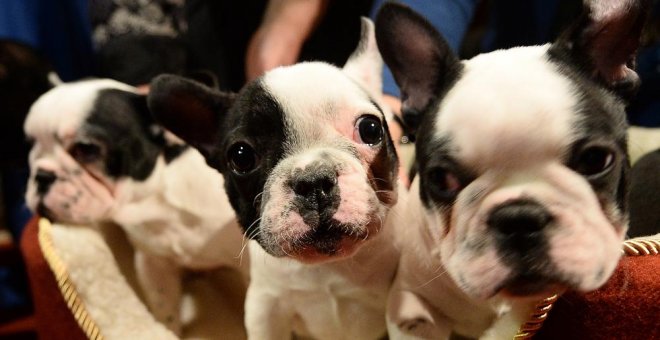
(641,246)
(67,288)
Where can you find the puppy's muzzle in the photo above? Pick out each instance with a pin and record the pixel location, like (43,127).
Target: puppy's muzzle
(519,224)
(44,180)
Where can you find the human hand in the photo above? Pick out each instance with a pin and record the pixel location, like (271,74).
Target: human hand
(281,35)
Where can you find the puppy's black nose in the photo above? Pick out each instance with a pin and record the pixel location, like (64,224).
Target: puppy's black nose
(317,189)
(44,179)
(519,218)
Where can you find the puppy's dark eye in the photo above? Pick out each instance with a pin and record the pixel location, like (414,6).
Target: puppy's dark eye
(369,130)
(444,183)
(594,160)
(242,158)
(84,152)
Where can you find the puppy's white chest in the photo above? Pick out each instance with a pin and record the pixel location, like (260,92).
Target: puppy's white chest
(335,300)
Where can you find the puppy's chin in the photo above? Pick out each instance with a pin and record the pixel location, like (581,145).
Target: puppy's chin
(503,283)
(530,287)
(325,243)
(325,251)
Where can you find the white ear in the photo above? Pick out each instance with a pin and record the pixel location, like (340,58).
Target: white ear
(365,64)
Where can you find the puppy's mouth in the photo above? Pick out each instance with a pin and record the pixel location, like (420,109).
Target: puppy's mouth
(530,286)
(328,240)
(44,211)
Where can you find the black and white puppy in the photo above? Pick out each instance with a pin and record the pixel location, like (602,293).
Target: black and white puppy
(98,156)
(523,167)
(311,170)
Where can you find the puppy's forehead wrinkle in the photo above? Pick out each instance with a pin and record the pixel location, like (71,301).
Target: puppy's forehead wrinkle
(523,110)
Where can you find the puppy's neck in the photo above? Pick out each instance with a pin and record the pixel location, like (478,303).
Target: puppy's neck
(420,229)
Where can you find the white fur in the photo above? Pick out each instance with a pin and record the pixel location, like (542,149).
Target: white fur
(342,296)
(179,217)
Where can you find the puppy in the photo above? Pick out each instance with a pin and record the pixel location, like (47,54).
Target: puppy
(99,156)
(311,171)
(523,167)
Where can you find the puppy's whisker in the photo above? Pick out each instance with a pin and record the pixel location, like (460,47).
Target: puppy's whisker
(247,237)
(380,224)
(250,226)
(433,279)
(257,198)
(284,251)
(378,179)
(246,240)
(254,232)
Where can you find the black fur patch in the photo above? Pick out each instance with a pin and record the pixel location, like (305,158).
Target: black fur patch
(431,154)
(255,118)
(123,123)
(384,169)
(600,116)
(173,151)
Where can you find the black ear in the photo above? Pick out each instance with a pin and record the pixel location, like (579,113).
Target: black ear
(189,109)
(421,61)
(604,42)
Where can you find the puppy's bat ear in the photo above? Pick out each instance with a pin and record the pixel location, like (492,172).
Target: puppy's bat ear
(604,42)
(421,60)
(189,109)
(365,64)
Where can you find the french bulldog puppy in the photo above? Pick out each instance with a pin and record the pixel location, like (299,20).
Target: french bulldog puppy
(522,161)
(99,156)
(311,171)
